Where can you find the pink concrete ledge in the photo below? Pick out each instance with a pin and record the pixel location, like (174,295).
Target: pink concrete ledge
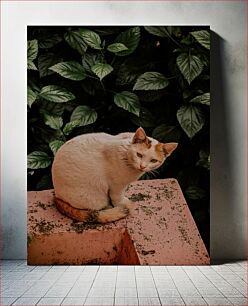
(159,231)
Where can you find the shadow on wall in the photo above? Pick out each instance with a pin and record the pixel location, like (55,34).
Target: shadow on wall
(222,207)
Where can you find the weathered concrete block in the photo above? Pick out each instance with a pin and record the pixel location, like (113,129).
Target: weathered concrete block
(159,231)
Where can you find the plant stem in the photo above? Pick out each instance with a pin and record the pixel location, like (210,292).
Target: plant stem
(113,60)
(173,77)
(177,43)
(103,87)
(91,77)
(62,134)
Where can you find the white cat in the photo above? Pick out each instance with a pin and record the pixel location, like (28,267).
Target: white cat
(91,172)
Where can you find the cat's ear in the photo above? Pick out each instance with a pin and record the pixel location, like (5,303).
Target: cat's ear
(168,148)
(139,136)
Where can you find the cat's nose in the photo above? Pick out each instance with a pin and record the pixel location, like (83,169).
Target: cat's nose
(142,167)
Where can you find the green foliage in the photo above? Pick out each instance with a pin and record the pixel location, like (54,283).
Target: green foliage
(159,31)
(128,101)
(151,81)
(117,47)
(55,145)
(115,79)
(190,66)
(56,93)
(76,40)
(31,96)
(38,160)
(84,114)
(91,38)
(203,99)
(130,39)
(102,70)
(32,52)
(203,37)
(191,119)
(165,133)
(195,193)
(55,122)
(70,70)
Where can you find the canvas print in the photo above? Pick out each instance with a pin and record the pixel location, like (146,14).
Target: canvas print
(118,163)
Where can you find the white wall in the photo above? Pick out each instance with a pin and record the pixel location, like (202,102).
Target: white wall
(229,96)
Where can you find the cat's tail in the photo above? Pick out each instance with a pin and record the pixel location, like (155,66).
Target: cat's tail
(91,216)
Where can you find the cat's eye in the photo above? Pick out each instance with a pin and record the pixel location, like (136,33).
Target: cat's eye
(154,160)
(139,155)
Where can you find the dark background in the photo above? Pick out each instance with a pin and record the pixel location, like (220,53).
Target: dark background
(149,50)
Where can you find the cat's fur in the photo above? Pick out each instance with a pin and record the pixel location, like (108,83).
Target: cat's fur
(91,172)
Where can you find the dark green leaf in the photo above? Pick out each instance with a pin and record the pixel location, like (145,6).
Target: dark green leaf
(130,69)
(150,95)
(91,38)
(189,65)
(176,30)
(128,101)
(125,75)
(203,37)
(180,50)
(202,99)
(151,81)
(44,183)
(45,61)
(204,77)
(55,122)
(57,94)
(70,126)
(117,47)
(187,93)
(32,49)
(145,119)
(101,70)
(45,106)
(204,160)
(195,193)
(165,133)
(70,70)
(31,96)
(33,85)
(38,160)
(105,30)
(130,38)
(44,135)
(191,119)
(159,31)
(84,114)
(205,59)
(31,66)
(187,41)
(91,59)
(55,145)
(50,41)
(91,86)
(76,41)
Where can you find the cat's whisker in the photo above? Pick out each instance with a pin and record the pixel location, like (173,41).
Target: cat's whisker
(154,173)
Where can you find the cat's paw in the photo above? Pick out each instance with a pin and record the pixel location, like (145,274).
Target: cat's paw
(128,203)
(124,201)
(125,210)
(131,205)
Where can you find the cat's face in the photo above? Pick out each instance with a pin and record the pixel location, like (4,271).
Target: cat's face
(148,154)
